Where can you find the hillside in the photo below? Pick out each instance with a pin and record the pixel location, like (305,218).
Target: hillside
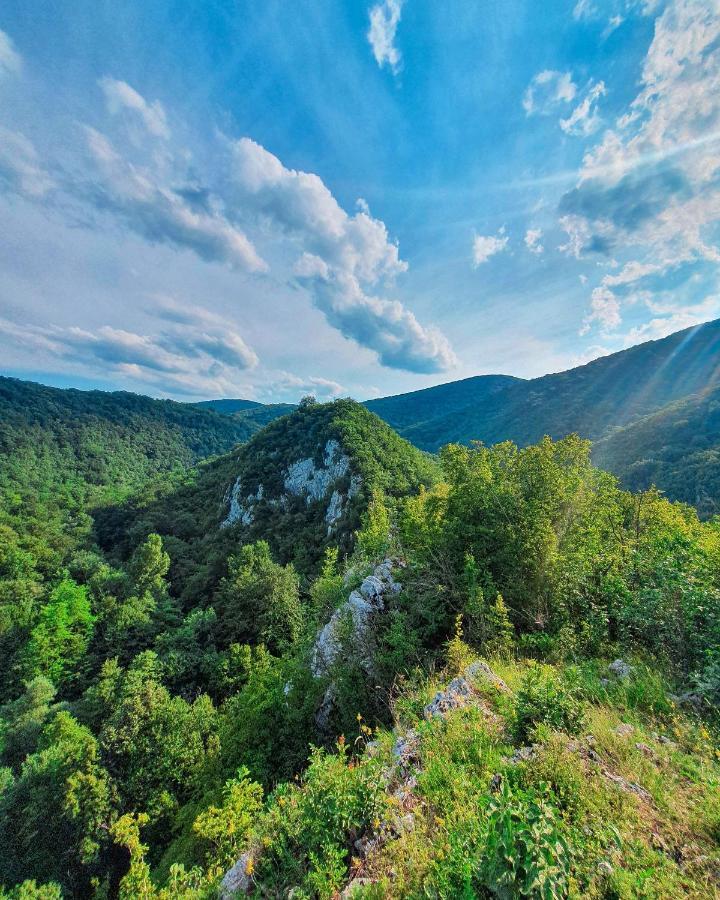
(607,392)
(676,448)
(110,441)
(301,484)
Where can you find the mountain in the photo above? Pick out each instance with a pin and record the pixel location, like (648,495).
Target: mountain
(228,406)
(676,448)
(607,392)
(111,442)
(301,484)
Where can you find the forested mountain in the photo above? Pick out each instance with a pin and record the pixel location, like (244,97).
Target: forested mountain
(325,664)
(594,401)
(301,484)
(676,448)
(52,438)
(607,392)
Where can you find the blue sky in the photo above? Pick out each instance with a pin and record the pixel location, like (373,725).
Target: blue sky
(270,199)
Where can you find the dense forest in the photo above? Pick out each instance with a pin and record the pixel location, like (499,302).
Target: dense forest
(326,664)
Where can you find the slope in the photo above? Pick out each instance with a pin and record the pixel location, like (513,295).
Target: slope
(611,391)
(301,484)
(103,444)
(677,449)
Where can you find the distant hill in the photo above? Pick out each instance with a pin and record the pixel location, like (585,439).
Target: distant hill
(677,449)
(98,443)
(301,484)
(607,392)
(228,406)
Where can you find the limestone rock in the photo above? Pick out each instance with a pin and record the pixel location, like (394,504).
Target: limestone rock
(620,668)
(237,880)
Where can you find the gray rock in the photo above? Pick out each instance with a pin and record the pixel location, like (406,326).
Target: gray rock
(604,868)
(620,668)
(372,587)
(624,729)
(481,671)
(237,880)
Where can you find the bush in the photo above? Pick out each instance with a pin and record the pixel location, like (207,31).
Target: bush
(543,699)
(527,853)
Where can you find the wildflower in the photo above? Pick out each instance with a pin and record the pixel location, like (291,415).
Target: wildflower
(249,866)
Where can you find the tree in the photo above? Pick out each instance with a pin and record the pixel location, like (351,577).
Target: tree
(62,634)
(259,600)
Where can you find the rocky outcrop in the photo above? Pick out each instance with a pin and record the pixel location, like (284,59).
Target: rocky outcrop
(237,880)
(301,479)
(464,689)
(350,630)
(358,610)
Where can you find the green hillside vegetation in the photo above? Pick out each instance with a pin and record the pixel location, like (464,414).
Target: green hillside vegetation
(608,392)
(188,516)
(676,448)
(227,406)
(157,721)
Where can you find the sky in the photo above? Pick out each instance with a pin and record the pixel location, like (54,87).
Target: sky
(351,198)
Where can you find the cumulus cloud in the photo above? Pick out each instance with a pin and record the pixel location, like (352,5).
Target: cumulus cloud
(547,91)
(295,386)
(199,355)
(651,185)
(121,98)
(146,206)
(604,309)
(10,59)
(584,119)
(532,240)
(160,197)
(484,247)
(340,254)
(384,20)
(384,326)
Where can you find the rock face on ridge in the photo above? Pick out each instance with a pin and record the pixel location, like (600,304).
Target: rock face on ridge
(350,630)
(303,479)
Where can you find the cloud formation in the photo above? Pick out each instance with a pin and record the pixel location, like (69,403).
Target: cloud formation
(384,20)
(197,354)
(120,97)
(160,197)
(652,184)
(584,119)
(532,241)
(339,255)
(484,247)
(10,59)
(547,91)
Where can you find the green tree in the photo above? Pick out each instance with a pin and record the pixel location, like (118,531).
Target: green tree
(61,635)
(259,600)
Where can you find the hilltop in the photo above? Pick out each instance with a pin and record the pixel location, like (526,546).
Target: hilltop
(301,484)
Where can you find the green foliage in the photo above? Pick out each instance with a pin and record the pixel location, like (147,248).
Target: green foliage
(61,635)
(543,699)
(225,828)
(259,600)
(527,852)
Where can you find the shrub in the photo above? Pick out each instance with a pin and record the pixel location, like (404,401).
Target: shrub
(526,853)
(544,699)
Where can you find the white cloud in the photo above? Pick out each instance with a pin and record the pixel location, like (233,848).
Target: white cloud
(339,254)
(484,247)
(532,240)
(21,171)
(614,22)
(651,184)
(548,90)
(120,97)
(149,208)
(384,20)
(198,355)
(343,260)
(584,119)
(10,59)
(677,319)
(604,309)
(296,386)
